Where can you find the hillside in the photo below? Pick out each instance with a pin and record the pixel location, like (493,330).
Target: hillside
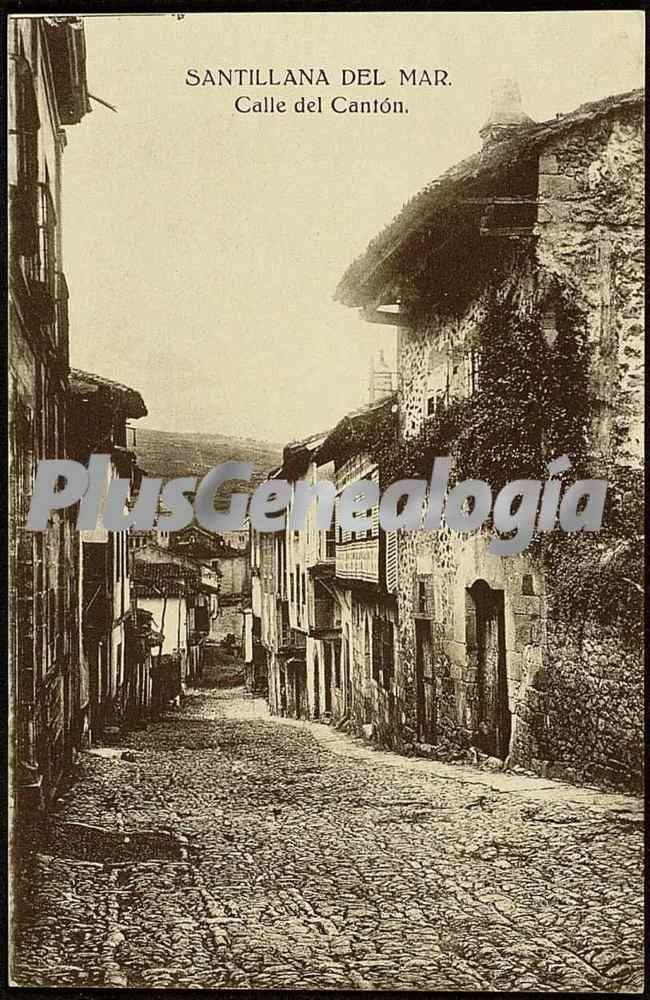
(169,454)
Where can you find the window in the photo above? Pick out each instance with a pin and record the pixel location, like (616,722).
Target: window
(330,543)
(383,652)
(304,588)
(549,327)
(359,535)
(473,365)
(437,381)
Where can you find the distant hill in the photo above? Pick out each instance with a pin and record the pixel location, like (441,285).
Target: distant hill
(170,454)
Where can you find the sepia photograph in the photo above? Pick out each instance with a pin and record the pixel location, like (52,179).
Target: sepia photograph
(326,500)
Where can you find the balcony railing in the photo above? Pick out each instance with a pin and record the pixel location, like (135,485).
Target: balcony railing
(292,638)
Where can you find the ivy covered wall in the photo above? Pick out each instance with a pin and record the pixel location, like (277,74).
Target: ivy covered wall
(554,331)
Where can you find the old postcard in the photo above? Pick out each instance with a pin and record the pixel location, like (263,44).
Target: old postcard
(325,416)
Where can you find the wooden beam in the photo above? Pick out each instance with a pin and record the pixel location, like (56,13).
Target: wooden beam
(500,200)
(386,318)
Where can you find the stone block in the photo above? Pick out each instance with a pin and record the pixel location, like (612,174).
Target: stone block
(523,636)
(557,186)
(527,605)
(548,164)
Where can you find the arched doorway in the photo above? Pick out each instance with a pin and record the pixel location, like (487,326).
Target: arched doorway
(486,650)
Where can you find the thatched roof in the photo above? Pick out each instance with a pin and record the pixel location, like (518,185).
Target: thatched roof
(387,254)
(118,396)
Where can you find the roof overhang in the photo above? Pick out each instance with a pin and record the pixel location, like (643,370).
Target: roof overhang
(67,51)
(86,385)
(438,212)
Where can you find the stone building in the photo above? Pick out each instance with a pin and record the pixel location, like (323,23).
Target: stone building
(515,282)
(307,614)
(260,618)
(178,594)
(99,410)
(46,92)
(325,599)
(359,679)
(278,620)
(229,559)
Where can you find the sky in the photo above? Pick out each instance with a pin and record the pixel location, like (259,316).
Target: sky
(203,246)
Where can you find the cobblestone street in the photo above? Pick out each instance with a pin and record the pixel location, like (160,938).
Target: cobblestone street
(307,868)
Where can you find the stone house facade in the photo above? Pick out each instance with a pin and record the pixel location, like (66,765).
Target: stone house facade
(99,409)
(544,223)
(272,647)
(177,593)
(327,621)
(46,93)
(363,583)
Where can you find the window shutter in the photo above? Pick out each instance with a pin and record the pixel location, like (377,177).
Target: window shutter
(392,561)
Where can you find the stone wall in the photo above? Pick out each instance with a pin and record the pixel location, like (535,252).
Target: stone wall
(229,621)
(582,715)
(591,234)
(448,565)
(574,692)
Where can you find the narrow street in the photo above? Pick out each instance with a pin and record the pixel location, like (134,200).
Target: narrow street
(277,863)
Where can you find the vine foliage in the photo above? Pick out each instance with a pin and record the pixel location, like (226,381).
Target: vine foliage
(532,405)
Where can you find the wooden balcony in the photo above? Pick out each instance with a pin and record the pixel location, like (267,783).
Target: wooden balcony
(325,619)
(289,639)
(292,640)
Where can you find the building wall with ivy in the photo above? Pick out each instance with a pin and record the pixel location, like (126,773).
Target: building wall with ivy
(543,358)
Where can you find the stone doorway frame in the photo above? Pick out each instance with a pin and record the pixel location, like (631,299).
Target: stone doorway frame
(486,640)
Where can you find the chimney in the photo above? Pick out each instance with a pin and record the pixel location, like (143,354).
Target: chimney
(506,113)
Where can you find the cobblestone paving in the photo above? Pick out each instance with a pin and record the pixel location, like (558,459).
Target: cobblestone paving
(304,869)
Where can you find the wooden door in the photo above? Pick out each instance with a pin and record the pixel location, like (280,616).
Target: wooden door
(316,686)
(328,653)
(492,677)
(425,684)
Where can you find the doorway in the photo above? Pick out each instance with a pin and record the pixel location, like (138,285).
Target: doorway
(425,683)
(316,686)
(327,666)
(346,656)
(486,648)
